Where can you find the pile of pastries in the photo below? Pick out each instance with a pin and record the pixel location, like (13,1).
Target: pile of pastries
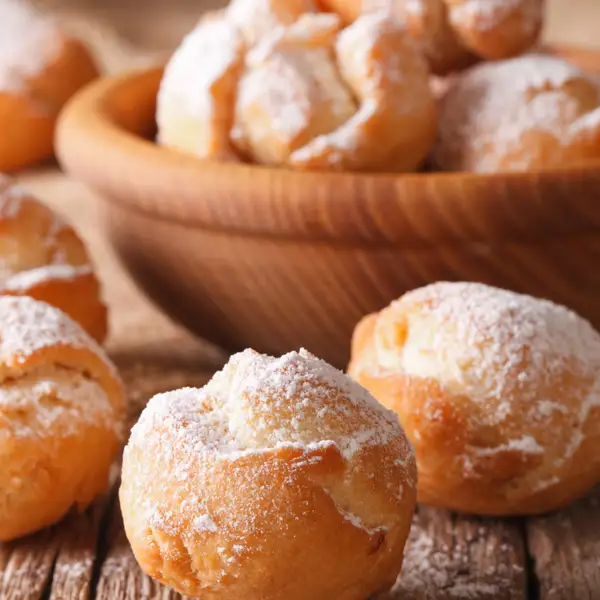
(392,86)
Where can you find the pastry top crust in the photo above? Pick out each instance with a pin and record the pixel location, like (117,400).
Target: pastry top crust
(530,112)
(29,42)
(34,241)
(34,335)
(273,458)
(258,404)
(501,388)
(453,34)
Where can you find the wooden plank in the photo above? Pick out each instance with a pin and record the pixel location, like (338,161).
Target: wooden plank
(565,547)
(120,576)
(26,566)
(450,557)
(79,540)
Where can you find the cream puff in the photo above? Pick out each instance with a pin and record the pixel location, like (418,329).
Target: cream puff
(523,114)
(43,257)
(498,392)
(280,479)
(453,34)
(61,416)
(41,67)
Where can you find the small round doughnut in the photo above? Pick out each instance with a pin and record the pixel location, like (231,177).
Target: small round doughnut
(498,392)
(257,19)
(496,29)
(43,257)
(425,20)
(280,479)
(523,114)
(40,69)
(453,34)
(291,91)
(196,99)
(395,123)
(61,416)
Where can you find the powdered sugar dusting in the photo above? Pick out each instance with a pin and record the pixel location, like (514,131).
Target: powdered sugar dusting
(488,110)
(358,522)
(51,401)
(453,566)
(373,75)
(205,523)
(508,354)
(488,14)
(28,42)
(258,403)
(25,280)
(258,18)
(527,445)
(11,197)
(282,416)
(27,326)
(203,58)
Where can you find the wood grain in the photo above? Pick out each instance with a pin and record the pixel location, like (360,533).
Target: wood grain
(565,548)
(79,539)
(120,577)
(450,557)
(26,565)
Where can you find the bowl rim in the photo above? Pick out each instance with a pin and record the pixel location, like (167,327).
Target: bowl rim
(137,170)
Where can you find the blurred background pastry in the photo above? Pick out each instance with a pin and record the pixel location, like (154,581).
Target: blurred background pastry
(43,257)
(41,67)
(523,114)
(455,33)
(280,479)
(498,392)
(61,417)
(309,95)
(197,95)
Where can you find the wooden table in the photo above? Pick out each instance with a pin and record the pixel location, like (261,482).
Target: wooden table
(449,557)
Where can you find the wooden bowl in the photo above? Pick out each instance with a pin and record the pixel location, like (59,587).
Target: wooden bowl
(273,259)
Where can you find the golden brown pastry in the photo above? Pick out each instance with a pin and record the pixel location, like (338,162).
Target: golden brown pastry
(498,392)
(395,122)
(259,18)
(61,416)
(455,33)
(496,29)
(291,92)
(40,69)
(527,113)
(41,256)
(280,479)
(307,95)
(197,93)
